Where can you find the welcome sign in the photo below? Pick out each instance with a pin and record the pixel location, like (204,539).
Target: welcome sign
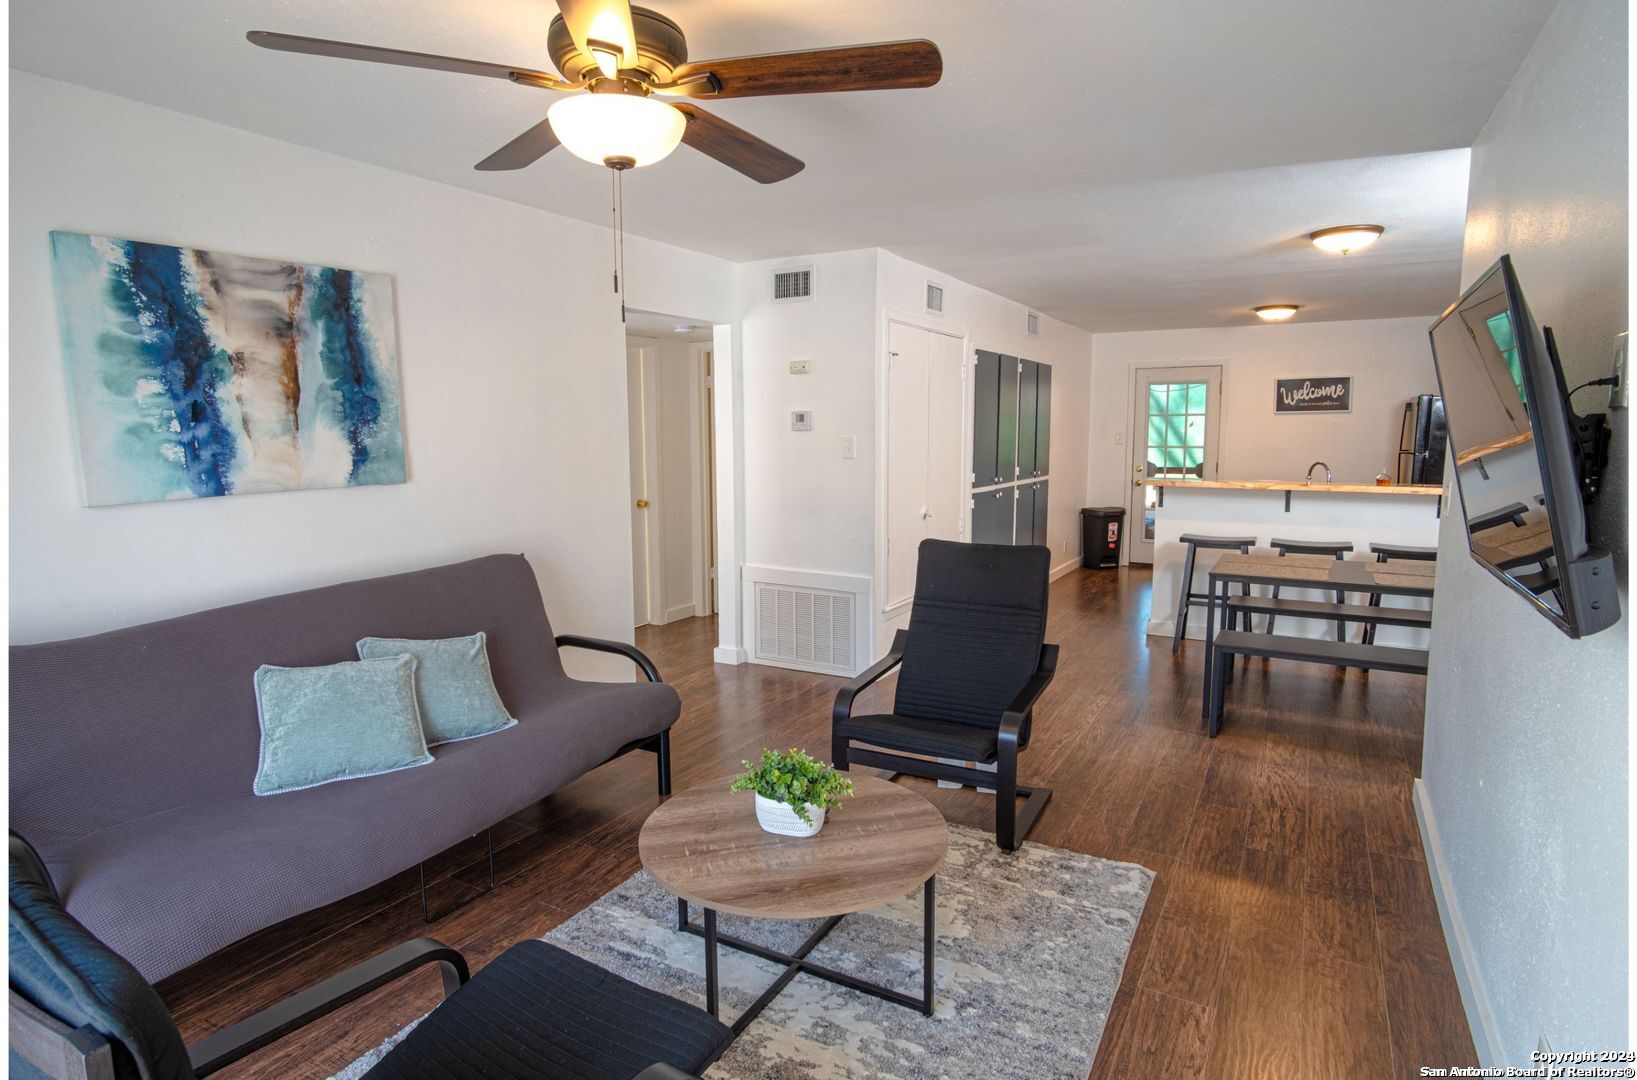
(1334,394)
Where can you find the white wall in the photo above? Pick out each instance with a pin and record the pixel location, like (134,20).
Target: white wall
(807,509)
(511,371)
(1524,788)
(1389,360)
(1000,325)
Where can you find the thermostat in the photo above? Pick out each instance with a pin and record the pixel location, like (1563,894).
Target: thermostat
(801,420)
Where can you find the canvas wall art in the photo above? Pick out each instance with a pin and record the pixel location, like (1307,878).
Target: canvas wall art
(193,374)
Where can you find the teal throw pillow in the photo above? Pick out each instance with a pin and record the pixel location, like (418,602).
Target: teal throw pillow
(454,687)
(339,722)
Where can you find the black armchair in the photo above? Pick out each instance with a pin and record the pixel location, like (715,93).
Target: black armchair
(79,1010)
(974,662)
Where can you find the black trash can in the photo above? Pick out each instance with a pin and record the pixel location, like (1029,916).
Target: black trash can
(1101,528)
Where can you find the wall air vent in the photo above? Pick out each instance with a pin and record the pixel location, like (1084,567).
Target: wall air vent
(792,284)
(802,627)
(934,299)
(1034,325)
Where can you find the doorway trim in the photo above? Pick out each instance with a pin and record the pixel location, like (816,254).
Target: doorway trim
(646,351)
(1137,437)
(701,437)
(885,618)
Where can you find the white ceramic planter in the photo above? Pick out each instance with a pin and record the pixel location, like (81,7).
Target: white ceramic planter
(778,818)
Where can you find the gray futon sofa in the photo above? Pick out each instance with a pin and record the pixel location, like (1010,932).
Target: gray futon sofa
(132,755)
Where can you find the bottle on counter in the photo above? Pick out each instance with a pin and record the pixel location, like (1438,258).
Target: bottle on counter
(1383,480)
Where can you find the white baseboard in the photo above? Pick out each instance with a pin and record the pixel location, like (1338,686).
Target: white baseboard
(724,655)
(1480,1017)
(680,611)
(1064,568)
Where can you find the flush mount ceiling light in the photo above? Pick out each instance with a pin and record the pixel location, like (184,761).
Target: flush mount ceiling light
(1276,312)
(682,328)
(622,131)
(1346,239)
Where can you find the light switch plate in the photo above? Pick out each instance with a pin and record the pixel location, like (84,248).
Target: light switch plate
(801,420)
(801,367)
(849,447)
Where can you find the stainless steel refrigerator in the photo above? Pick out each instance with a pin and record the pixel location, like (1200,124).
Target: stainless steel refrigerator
(1423,439)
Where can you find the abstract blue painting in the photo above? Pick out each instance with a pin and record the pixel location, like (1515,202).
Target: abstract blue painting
(193,374)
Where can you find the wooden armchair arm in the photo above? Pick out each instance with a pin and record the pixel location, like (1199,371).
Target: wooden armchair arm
(618,648)
(222,1049)
(845,696)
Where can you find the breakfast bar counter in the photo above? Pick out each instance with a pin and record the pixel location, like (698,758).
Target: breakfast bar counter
(1360,514)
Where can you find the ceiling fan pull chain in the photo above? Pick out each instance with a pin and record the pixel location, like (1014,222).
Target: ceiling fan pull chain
(614,213)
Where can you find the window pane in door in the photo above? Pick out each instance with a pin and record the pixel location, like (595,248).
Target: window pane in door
(1196,397)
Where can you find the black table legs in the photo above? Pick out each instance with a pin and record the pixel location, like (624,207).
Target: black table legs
(796,963)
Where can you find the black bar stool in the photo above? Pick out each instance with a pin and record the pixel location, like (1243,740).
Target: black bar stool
(1312,547)
(1189,598)
(1383,552)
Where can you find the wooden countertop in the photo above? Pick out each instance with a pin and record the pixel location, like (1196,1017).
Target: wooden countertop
(1297,485)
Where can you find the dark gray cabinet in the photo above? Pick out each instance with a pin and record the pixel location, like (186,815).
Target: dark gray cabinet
(992,516)
(1028,383)
(1029,522)
(1043,420)
(1011,445)
(1006,422)
(986,420)
(1041,499)
(1023,529)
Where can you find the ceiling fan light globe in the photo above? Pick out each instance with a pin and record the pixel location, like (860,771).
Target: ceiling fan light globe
(601,127)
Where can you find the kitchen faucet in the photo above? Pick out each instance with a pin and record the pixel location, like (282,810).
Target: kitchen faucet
(1327,478)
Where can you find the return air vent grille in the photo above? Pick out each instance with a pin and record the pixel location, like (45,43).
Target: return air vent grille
(794,284)
(934,298)
(1034,325)
(801,626)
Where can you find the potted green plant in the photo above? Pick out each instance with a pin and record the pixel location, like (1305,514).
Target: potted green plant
(793,790)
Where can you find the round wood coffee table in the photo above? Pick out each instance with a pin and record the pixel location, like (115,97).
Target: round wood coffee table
(705,846)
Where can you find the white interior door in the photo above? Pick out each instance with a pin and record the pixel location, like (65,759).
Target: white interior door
(1175,431)
(638,371)
(908,354)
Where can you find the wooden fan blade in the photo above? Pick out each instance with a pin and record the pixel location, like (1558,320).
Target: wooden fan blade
(522,151)
(735,147)
(892,65)
(346,50)
(608,21)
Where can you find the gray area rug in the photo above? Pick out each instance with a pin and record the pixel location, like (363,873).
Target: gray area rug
(1030,950)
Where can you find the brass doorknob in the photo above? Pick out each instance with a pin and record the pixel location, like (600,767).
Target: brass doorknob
(642,504)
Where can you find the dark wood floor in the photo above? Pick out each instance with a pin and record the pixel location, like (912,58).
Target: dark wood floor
(1291,931)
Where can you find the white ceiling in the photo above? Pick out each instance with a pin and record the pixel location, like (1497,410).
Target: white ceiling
(1119,164)
(647,324)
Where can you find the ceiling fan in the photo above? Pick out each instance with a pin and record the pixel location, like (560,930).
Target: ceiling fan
(626,59)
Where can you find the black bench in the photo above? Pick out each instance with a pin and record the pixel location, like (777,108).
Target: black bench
(1241,608)
(1345,654)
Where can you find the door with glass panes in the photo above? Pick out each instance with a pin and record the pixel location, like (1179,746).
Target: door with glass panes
(1175,426)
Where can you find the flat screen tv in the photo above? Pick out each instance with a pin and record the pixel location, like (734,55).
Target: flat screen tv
(1517,464)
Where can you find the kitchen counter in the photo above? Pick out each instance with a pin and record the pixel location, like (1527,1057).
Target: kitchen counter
(1298,485)
(1359,514)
